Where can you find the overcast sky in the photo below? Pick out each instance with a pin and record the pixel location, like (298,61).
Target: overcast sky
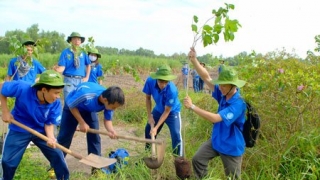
(164,26)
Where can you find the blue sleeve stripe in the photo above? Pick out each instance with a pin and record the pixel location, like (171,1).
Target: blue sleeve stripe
(81,99)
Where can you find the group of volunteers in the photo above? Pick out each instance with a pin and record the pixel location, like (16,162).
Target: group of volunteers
(79,76)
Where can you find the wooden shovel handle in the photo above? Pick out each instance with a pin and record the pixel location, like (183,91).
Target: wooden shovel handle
(95,131)
(153,146)
(45,138)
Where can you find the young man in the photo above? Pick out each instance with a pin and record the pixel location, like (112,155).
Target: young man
(227,140)
(195,80)
(160,87)
(25,67)
(38,107)
(185,73)
(220,66)
(74,64)
(81,107)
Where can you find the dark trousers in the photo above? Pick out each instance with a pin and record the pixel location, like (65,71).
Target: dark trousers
(174,123)
(68,127)
(15,146)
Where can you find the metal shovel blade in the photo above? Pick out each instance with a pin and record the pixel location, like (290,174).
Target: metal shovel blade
(156,162)
(97,161)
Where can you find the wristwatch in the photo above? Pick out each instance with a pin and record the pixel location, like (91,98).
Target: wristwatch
(192,106)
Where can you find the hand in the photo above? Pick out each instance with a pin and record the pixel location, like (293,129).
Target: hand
(187,102)
(56,67)
(112,134)
(151,120)
(192,54)
(6,116)
(51,142)
(154,131)
(84,127)
(85,79)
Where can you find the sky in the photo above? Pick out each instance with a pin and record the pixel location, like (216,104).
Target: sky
(164,26)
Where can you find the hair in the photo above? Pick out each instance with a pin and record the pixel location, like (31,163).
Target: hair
(48,87)
(114,94)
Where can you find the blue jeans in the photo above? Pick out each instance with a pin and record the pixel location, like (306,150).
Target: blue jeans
(196,84)
(71,84)
(15,146)
(174,123)
(201,84)
(68,127)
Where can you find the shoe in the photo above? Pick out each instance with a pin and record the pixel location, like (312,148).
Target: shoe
(51,173)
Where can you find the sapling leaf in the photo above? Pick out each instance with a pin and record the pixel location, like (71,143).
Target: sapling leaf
(195,19)
(207,28)
(215,38)
(194,28)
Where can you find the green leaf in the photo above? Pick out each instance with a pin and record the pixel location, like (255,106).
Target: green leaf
(207,28)
(217,28)
(231,6)
(207,40)
(215,38)
(217,20)
(195,19)
(194,28)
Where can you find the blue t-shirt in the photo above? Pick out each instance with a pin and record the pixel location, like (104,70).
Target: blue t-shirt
(227,135)
(185,70)
(96,71)
(35,68)
(165,97)
(27,108)
(85,98)
(67,60)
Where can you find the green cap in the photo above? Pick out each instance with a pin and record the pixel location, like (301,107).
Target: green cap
(164,72)
(75,34)
(94,51)
(51,78)
(229,76)
(28,42)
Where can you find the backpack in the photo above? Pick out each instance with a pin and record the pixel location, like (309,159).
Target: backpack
(122,157)
(251,126)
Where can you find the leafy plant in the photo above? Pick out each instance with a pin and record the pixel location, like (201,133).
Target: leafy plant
(210,33)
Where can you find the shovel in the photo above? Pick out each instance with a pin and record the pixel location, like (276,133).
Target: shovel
(157,151)
(91,160)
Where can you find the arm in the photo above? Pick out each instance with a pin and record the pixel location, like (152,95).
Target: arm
(88,70)
(109,127)
(82,124)
(58,68)
(149,105)
(8,78)
(212,117)
(6,115)
(203,73)
(163,117)
(49,129)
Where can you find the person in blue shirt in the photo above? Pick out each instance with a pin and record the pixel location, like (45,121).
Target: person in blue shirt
(74,64)
(81,107)
(220,66)
(185,73)
(195,80)
(37,106)
(160,87)
(226,139)
(201,82)
(96,74)
(25,67)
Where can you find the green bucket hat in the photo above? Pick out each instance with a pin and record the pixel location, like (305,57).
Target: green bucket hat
(164,72)
(51,78)
(28,42)
(229,76)
(94,51)
(75,34)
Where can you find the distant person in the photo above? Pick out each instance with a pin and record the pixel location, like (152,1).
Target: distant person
(37,106)
(226,141)
(74,64)
(25,67)
(220,66)
(195,80)
(160,87)
(201,83)
(185,72)
(96,74)
(81,107)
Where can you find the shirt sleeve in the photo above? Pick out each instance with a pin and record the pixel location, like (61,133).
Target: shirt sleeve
(62,59)
(108,114)
(171,97)
(147,87)
(40,68)
(232,112)
(11,67)
(55,114)
(12,88)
